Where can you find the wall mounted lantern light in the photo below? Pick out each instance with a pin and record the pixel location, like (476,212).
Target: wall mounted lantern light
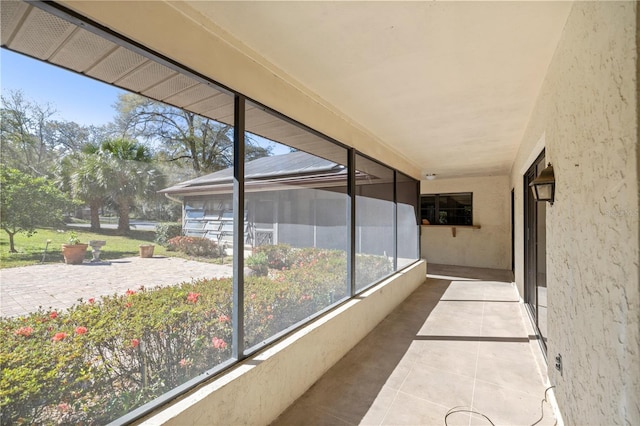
(544,186)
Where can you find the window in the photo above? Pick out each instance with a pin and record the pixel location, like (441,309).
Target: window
(407,191)
(296,203)
(447,209)
(131,341)
(375,222)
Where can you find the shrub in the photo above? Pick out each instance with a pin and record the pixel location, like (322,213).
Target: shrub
(258,263)
(278,256)
(371,268)
(195,246)
(315,280)
(97,361)
(101,359)
(166,231)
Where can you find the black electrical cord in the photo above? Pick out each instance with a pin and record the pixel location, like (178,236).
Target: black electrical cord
(542,406)
(461,409)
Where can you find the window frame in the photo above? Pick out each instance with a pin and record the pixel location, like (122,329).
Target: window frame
(436,203)
(239,351)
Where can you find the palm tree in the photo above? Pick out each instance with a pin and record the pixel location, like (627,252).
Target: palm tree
(129,174)
(89,182)
(117,171)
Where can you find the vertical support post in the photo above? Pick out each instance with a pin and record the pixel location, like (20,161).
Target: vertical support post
(419,218)
(351,223)
(238,228)
(395,220)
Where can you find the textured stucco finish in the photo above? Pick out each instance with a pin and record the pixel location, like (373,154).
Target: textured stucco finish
(487,247)
(587,116)
(271,381)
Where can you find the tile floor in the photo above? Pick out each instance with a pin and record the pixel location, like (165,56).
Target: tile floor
(461,340)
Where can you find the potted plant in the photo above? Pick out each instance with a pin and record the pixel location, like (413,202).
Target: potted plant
(74,251)
(146,250)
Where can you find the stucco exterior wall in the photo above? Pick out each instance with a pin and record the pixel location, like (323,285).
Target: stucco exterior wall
(586,117)
(487,247)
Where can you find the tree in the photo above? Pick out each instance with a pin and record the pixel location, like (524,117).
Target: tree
(33,142)
(88,179)
(22,129)
(123,171)
(205,144)
(68,137)
(28,202)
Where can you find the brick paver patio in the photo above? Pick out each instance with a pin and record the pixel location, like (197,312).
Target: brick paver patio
(58,286)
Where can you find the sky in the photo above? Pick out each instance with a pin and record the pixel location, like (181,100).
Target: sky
(75,98)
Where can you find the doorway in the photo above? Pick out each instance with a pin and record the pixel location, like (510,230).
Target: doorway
(535,254)
(513,231)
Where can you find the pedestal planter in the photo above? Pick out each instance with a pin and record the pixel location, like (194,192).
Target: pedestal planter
(146,250)
(96,247)
(74,254)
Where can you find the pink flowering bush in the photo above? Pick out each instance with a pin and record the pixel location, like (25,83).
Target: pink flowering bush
(278,256)
(102,359)
(194,246)
(218,343)
(314,280)
(24,331)
(105,357)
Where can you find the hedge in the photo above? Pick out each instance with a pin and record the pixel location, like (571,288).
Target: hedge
(103,358)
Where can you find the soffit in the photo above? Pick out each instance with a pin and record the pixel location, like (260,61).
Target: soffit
(451,85)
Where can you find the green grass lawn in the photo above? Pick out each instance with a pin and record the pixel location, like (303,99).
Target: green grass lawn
(31,249)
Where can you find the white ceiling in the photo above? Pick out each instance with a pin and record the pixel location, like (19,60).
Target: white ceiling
(450,84)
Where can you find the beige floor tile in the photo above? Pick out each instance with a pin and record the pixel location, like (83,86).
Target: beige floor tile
(444,359)
(410,410)
(501,295)
(471,273)
(398,376)
(502,309)
(513,351)
(380,407)
(468,309)
(519,375)
(500,329)
(438,386)
(464,290)
(449,344)
(504,406)
(471,349)
(347,402)
(449,322)
(309,415)
(457,416)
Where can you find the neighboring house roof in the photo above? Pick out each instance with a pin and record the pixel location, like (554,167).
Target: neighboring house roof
(287,169)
